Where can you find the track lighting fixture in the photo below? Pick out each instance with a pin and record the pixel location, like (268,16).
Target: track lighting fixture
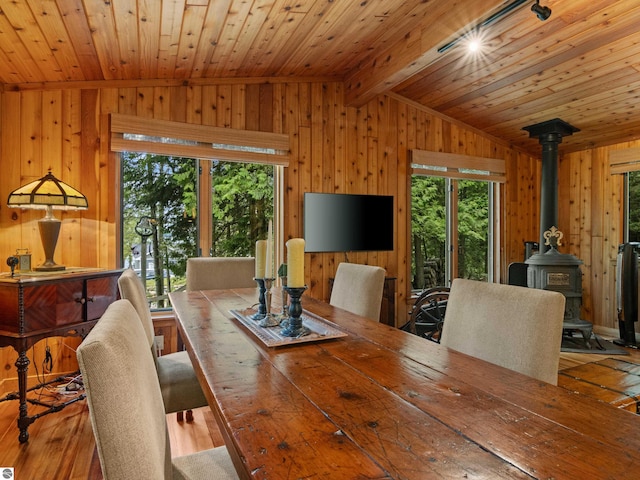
(541,12)
(482,24)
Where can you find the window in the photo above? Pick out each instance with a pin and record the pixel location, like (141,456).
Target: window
(452,220)
(429,231)
(473,202)
(171,210)
(627,162)
(632,212)
(159,212)
(242,204)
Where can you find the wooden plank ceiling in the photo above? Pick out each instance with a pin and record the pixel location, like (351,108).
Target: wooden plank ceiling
(581,65)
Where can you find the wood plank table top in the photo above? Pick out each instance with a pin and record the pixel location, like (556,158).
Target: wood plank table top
(380,403)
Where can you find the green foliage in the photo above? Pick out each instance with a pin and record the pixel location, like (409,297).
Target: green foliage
(428,214)
(634,207)
(429,224)
(242,204)
(473,225)
(165,189)
(162,188)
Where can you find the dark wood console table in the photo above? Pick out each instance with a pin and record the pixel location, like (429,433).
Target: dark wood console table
(37,305)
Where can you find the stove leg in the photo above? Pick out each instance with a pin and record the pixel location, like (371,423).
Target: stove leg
(586,335)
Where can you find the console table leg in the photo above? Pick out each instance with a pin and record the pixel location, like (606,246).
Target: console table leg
(22,364)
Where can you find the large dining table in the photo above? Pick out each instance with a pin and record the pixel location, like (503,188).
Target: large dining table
(375,402)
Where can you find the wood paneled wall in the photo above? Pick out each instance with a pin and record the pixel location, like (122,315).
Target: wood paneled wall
(334,148)
(591,215)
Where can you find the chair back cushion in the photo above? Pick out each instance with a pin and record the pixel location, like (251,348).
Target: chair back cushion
(132,289)
(216,273)
(515,327)
(124,399)
(358,289)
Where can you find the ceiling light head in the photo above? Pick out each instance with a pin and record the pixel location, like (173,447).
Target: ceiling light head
(474,41)
(474,45)
(541,12)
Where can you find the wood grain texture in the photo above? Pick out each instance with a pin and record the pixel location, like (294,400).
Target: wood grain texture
(615,381)
(334,148)
(382,389)
(355,85)
(579,65)
(79,460)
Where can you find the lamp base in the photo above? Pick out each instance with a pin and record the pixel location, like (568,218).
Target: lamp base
(54,267)
(49,229)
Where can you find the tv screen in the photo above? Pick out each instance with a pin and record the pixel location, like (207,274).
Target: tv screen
(338,222)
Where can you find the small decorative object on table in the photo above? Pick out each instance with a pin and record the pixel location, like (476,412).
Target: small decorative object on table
(294,327)
(320,329)
(282,273)
(264,266)
(262,306)
(12,261)
(25,259)
(261,248)
(269,319)
(295,287)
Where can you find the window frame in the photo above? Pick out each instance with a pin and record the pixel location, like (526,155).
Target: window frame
(623,162)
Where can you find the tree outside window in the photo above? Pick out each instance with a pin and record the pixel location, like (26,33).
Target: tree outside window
(165,189)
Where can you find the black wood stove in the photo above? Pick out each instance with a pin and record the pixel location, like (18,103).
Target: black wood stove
(560,272)
(549,269)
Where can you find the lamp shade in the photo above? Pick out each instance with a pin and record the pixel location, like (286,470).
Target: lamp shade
(45,192)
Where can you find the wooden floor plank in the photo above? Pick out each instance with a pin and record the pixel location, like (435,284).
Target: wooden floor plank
(612,380)
(190,437)
(61,445)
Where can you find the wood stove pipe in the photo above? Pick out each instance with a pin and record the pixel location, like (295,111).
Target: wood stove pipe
(550,135)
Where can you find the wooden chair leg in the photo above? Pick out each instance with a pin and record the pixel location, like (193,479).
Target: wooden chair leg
(189,416)
(180,416)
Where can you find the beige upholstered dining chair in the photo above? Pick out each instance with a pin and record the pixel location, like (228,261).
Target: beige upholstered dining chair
(515,327)
(358,289)
(215,273)
(126,406)
(178,383)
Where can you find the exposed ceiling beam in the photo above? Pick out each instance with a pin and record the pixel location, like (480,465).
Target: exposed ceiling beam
(416,50)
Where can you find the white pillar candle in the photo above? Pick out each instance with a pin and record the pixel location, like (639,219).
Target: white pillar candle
(295,262)
(269,255)
(261,248)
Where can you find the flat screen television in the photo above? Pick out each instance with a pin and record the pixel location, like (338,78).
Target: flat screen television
(339,222)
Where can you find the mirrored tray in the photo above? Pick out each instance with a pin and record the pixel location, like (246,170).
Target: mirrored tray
(320,329)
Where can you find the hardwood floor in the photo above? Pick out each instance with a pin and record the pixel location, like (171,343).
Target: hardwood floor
(61,445)
(568,360)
